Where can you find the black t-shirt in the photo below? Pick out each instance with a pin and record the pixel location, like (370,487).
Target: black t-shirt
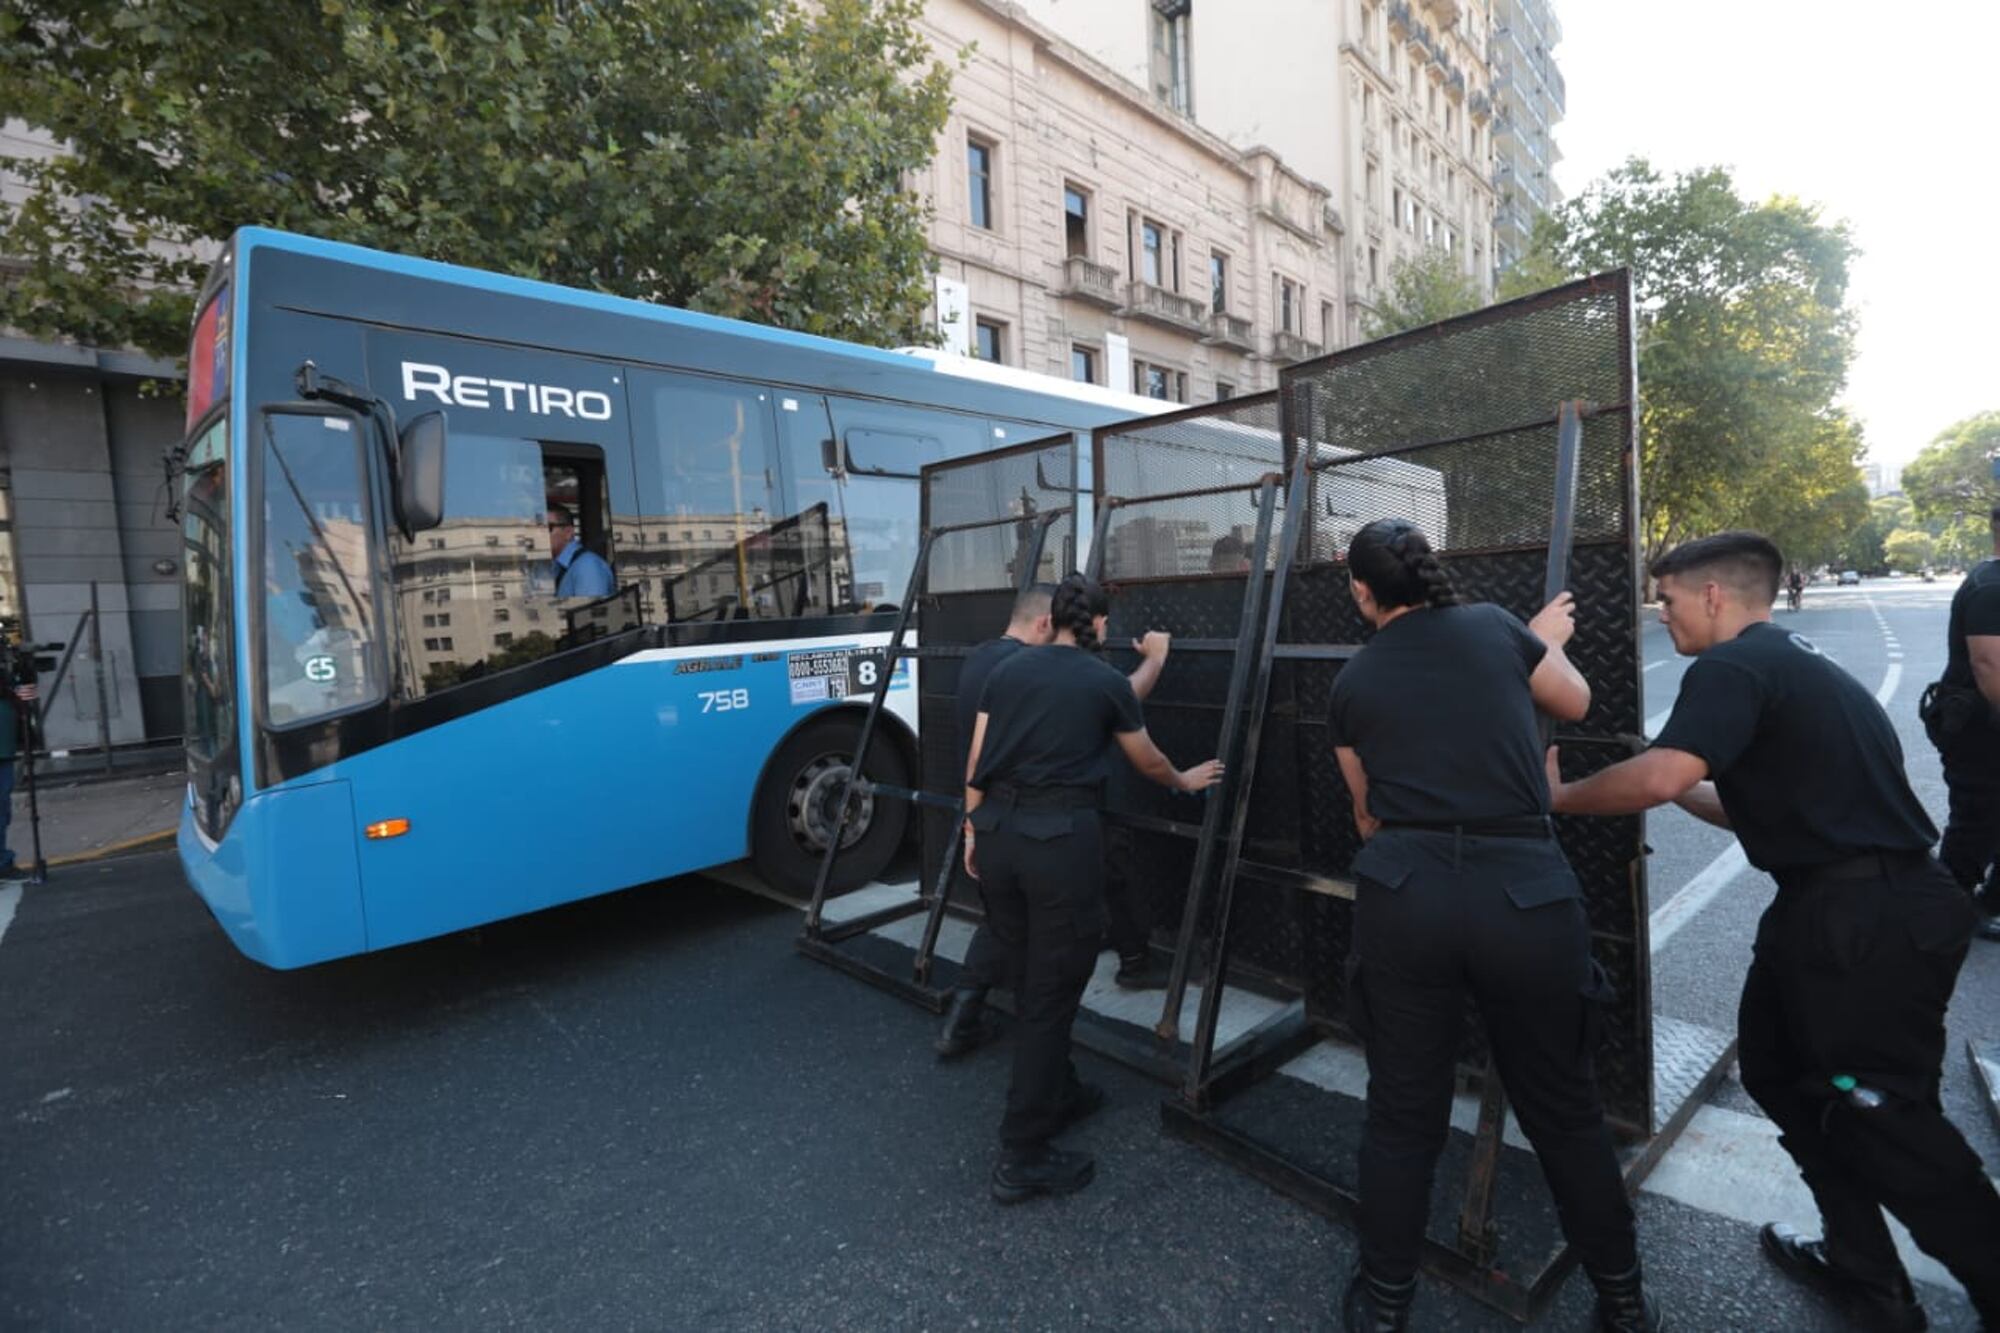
(1806,762)
(979,664)
(1438,709)
(1050,714)
(1975,609)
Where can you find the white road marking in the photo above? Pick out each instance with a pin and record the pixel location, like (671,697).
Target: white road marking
(1889,683)
(10,898)
(1654,666)
(1697,894)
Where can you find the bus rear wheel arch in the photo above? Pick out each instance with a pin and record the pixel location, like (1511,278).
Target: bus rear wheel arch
(798,803)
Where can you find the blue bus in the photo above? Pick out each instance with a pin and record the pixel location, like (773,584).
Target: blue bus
(499,595)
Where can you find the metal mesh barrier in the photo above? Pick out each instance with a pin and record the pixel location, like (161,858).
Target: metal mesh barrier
(967,591)
(1455,427)
(1187,510)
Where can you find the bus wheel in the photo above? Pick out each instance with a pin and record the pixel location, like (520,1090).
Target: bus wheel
(799,804)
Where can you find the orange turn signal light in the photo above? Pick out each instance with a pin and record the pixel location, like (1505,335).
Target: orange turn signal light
(388,828)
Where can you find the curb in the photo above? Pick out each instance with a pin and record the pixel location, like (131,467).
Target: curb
(1986,1065)
(142,843)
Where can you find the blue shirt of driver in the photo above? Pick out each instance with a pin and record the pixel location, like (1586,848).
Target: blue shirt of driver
(582,573)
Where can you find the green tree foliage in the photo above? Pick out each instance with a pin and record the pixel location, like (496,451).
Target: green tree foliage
(1952,478)
(1863,547)
(1908,549)
(1745,335)
(1423,289)
(745,157)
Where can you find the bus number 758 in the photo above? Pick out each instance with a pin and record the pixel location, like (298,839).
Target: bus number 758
(724,701)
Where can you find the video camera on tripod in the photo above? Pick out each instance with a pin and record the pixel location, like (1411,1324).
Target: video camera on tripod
(21,665)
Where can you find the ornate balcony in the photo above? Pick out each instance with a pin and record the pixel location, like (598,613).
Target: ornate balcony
(1085,281)
(1289,347)
(1399,17)
(1480,107)
(1447,12)
(1226,330)
(1158,305)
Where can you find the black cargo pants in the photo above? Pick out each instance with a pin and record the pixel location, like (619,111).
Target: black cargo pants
(1971,841)
(1040,855)
(1853,969)
(1439,916)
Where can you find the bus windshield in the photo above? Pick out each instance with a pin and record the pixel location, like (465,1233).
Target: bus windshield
(207,642)
(319,643)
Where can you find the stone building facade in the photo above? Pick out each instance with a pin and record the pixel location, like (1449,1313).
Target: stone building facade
(1528,101)
(1393,105)
(1085,229)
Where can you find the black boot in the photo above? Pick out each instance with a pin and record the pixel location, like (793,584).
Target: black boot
(964,1023)
(1140,972)
(1885,1301)
(1020,1176)
(1376,1306)
(1624,1305)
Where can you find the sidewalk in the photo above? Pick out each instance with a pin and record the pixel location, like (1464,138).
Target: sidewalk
(84,819)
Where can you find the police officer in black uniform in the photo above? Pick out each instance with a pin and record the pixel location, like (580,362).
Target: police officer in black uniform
(1463,888)
(1842,1019)
(1034,840)
(1029,626)
(1962,714)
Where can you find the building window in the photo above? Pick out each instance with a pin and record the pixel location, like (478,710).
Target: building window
(990,340)
(444,644)
(1218,281)
(1076,220)
(979,171)
(1288,305)
(1151,238)
(1396,207)
(1326,338)
(1083,364)
(1224,391)
(502,613)
(1373,196)
(1171,82)
(1374,266)
(1150,381)
(502,640)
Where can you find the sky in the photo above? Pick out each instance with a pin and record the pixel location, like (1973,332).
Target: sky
(1884,115)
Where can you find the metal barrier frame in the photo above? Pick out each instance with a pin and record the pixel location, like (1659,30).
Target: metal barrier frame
(1470,1262)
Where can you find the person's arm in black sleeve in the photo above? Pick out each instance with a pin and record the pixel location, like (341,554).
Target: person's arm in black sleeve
(1713,720)
(1982,641)
(1128,725)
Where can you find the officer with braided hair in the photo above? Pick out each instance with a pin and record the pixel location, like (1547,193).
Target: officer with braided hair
(1034,840)
(1462,889)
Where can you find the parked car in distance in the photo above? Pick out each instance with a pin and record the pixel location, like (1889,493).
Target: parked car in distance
(1848,576)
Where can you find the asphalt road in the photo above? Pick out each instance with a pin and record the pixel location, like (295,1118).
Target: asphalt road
(646,1111)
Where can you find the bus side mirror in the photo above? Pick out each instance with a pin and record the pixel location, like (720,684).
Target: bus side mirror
(420,476)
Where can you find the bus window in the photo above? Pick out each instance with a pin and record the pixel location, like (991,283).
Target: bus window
(477,593)
(725,547)
(319,648)
(208,645)
(883,445)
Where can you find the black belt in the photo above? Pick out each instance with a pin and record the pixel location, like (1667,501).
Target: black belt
(1514,826)
(1869,865)
(1052,797)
